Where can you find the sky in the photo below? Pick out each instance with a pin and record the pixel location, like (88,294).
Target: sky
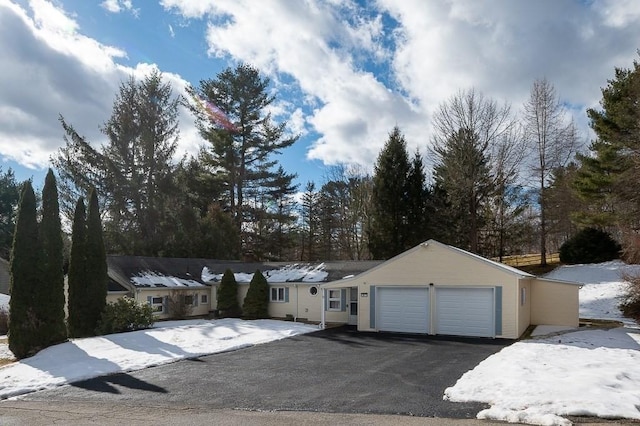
(343,73)
(579,372)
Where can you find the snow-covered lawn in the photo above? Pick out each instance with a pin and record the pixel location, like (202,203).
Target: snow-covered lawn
(575,373)
(558,373)
(167,342)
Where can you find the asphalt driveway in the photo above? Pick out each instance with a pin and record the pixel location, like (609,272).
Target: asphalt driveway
(336,370)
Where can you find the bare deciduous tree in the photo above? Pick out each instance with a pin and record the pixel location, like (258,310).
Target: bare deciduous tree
(491,131)
(552,141)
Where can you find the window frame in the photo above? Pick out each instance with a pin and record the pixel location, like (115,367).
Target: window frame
(335,299)
(204,299)
(280,294)
(155,305)
(188,299)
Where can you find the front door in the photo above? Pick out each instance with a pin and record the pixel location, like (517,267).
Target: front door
(353,306)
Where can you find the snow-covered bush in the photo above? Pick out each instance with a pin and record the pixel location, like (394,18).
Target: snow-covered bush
(125,315)
(590,245)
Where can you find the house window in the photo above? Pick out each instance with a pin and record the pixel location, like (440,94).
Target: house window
(157,304)
(188,299)
(204,299)
(277,294)
(335,301)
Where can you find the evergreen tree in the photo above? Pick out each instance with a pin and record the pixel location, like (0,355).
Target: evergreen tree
(462,170)
(256,303)
(96,264)
(52,293)
(310,217)
(78,278)
(388,234)
(241,157)
(133,172)
(608,178)
(26,323)
(228,305)
(418,203)
(9,197)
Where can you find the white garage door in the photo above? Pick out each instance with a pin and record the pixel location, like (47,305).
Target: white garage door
(465,312)
(403,309)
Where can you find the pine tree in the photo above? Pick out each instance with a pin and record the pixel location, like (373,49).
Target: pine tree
(96,268)
(256,303)
(418,203)
(388,232)
(27,274)
(242,158)
(52,292)
(228,305)
(462,170)
(78,278)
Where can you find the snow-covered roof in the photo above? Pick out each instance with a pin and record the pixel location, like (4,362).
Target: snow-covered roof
(289,273)
(154,279)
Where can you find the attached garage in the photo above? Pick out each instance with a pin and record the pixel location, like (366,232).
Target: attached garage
(465,311)
(439,289)
(403,309)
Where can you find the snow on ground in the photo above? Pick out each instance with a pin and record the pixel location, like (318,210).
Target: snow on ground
(81,359)
(578,373)
(4,301)
(559,373)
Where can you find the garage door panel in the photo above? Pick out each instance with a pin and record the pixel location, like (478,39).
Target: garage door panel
(403,309)
(465,312)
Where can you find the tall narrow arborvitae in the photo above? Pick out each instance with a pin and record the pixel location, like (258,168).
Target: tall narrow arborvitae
(52,293)
(256,302)
(26,279)
(96,258)
(78,278)
(228,305)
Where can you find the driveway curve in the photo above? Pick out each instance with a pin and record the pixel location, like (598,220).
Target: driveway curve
(337,370)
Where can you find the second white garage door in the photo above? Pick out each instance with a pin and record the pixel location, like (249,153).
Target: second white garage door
(465,311)
(403,309)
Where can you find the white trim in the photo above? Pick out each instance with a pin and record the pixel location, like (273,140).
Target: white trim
(277,291)
(334,299)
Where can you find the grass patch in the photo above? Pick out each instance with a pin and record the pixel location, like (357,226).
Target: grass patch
(4,362)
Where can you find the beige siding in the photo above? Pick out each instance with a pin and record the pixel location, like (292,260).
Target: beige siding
(302,305)
(554,303)
(199,310)
(441,266)
(524,305)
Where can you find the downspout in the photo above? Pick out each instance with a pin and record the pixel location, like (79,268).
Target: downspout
(295,319)
(322,324)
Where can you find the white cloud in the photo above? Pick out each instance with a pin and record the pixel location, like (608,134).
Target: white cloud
(117,6)
(433,48)
(50,69)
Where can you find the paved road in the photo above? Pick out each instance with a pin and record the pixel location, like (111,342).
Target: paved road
(331,371)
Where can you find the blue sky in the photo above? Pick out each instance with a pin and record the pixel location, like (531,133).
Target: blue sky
(343,72)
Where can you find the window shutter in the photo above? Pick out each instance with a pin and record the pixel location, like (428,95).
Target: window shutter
(326,299)
(195,299)
(498,313)
(372,306)
(149,300)
(165,304)
(286,294)
(343,299)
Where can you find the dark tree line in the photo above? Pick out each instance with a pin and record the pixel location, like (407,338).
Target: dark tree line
(36,308)
(499,183)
